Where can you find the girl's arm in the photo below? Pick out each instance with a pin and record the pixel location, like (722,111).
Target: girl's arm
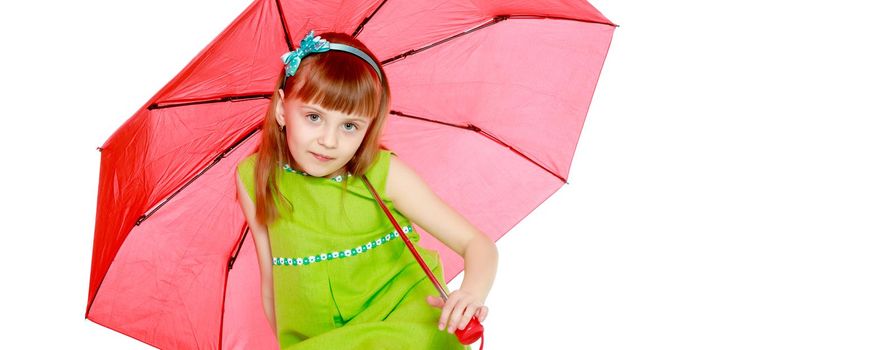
(262,245)
(416,201)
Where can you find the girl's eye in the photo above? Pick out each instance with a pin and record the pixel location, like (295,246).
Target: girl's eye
(315,118)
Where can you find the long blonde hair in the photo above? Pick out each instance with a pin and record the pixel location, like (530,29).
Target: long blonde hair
(334,80)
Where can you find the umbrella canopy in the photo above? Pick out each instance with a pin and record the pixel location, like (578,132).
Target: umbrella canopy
(488,102)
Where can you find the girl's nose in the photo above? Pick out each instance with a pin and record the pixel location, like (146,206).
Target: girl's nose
(329,139)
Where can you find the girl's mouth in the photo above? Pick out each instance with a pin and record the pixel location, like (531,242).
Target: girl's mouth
(321,158)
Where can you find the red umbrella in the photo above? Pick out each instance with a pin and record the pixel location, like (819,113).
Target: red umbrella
(488,102)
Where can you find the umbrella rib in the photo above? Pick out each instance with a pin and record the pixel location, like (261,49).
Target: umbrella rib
(207,167)
(495,139)
(493,21)
(223,303)
(285,27)
(360,26)
(442,41)
(238,248)
(245,231)
(485,134)
(562,19)
(223,98)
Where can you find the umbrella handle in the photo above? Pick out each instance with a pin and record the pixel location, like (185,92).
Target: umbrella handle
(471,333)
(474,329)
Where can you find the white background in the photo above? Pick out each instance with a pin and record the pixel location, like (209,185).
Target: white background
(732,189)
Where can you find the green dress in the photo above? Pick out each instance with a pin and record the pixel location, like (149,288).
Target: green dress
(344,279)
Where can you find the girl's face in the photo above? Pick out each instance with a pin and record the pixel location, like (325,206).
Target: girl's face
(313,132)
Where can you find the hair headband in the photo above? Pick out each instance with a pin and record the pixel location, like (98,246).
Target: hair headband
(315,44)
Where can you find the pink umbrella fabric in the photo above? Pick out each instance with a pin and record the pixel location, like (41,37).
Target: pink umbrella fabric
(489,98)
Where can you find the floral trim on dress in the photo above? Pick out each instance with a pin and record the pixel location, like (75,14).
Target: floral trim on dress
(288,168)
(340,254)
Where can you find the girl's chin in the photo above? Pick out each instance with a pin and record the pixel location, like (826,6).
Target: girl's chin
(319,172)
(316,173)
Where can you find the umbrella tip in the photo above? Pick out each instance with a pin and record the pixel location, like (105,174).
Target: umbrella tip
(99,149)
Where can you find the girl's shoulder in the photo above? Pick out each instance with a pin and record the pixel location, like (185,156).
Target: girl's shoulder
(245,170)
(381,164)
(378,171)
(247,164)
(248,161)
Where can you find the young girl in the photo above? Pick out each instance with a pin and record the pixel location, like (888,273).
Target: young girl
(334,273)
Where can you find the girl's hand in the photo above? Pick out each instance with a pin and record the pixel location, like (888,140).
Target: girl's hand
(459,309)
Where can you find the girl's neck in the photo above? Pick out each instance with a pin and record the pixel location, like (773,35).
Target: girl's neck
(343,171)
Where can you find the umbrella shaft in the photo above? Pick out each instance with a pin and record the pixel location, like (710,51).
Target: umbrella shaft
(407,241)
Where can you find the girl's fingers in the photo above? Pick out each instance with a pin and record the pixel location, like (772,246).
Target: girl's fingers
(455,317)
(434,301)
(467,315)
(483,311)
(446,311)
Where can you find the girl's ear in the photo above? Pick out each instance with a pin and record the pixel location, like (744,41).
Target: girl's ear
(281,119)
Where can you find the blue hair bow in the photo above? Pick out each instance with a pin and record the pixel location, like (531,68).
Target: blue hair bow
(310,44)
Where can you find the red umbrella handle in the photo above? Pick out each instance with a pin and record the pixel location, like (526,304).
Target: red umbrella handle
(474,329)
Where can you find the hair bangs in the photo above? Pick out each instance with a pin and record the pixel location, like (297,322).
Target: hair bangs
(350,89)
